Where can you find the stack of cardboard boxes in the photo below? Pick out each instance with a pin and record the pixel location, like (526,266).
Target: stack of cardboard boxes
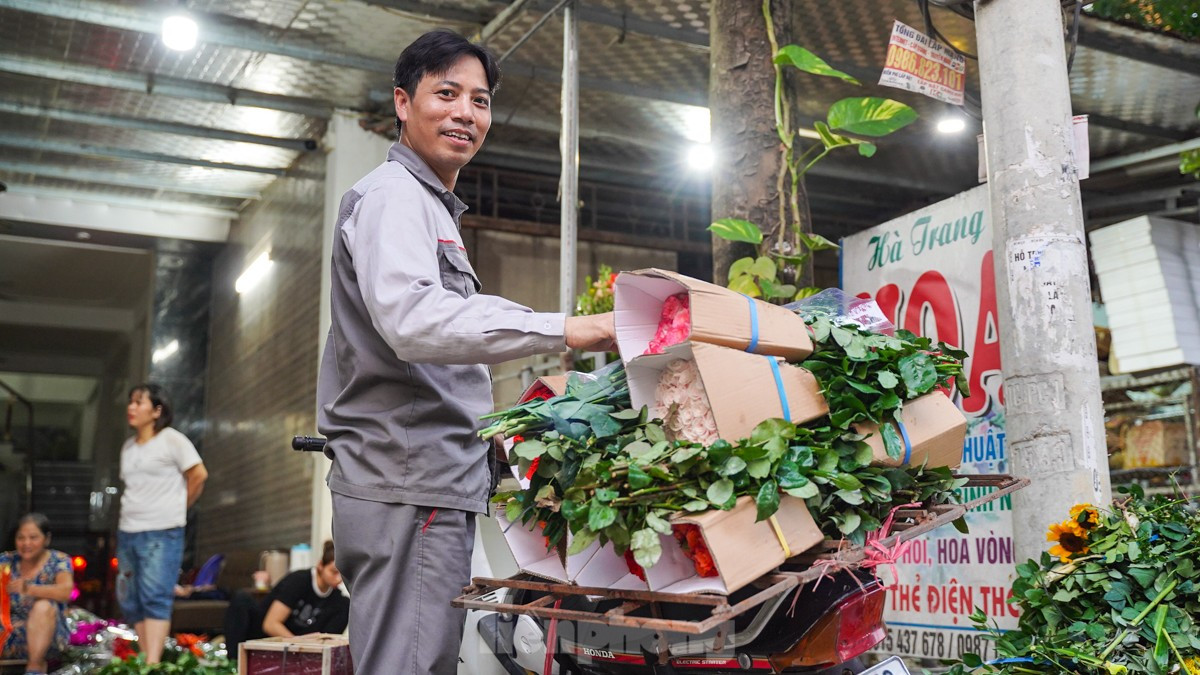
(744,350)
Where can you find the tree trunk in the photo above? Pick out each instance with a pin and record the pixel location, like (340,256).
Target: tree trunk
(741,94)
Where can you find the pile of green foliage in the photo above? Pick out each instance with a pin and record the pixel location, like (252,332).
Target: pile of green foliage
(1119,592)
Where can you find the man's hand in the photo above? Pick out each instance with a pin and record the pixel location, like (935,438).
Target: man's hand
(595,333)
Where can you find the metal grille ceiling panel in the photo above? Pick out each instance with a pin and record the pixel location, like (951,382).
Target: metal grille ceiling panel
(182,176)
(97,99)
(630,79)
(1132,90)
(147,141)
(682,14)
(100,191)
(77,42)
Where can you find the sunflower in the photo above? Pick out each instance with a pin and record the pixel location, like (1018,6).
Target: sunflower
(1085,515)
(1070,539)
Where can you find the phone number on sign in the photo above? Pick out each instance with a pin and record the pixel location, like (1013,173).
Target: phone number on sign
(935,644)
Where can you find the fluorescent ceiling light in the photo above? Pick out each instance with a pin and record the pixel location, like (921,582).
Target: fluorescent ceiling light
(179,32)
(951,125)
(165,351)
(254,273)
(700,157)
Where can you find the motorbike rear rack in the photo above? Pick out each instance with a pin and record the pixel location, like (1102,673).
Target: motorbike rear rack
(821,560)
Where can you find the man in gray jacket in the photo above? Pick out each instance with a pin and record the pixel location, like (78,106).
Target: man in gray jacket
(401,386)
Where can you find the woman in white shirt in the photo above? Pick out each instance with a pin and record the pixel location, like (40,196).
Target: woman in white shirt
(163,477)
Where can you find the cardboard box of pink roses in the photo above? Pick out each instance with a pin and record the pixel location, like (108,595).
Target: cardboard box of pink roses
(657,308)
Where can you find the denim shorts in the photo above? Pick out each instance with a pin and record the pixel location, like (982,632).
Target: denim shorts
(147,569)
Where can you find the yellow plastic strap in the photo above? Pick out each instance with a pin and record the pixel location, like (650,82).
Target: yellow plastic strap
(787,550)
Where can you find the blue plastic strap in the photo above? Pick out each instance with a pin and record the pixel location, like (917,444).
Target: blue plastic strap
(907,443)
(783,401)
(753,324)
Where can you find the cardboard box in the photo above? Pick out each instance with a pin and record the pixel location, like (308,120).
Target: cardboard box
(741,549)
(315,654)
(554,384)
(936,430)
(596,565)
(741,387)
(719,316)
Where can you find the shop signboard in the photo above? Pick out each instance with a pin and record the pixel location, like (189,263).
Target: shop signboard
(919,63)
(932,273)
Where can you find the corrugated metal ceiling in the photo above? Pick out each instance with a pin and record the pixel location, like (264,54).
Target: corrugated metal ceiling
(642,63)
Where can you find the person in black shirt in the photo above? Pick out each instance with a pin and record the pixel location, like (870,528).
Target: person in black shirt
(305,601)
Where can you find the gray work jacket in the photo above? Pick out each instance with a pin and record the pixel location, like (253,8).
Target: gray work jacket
(401,388)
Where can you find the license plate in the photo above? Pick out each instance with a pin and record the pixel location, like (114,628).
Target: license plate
(892,666)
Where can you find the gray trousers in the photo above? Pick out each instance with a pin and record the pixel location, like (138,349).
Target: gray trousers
(403,565)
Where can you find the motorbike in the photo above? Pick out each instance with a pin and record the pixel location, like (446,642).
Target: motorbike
(821,628)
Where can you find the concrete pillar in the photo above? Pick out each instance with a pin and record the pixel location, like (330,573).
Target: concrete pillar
(1051,377)
(351,153)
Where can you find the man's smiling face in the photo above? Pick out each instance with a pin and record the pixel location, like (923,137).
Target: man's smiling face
(446,119)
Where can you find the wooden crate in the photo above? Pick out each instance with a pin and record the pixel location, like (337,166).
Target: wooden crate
(316,654)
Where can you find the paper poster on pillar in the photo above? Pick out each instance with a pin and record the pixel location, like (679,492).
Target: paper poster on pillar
(933,273)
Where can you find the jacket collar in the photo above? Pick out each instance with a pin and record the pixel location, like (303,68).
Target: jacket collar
(420,170)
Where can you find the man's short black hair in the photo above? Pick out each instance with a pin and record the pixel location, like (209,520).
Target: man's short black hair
(434,53)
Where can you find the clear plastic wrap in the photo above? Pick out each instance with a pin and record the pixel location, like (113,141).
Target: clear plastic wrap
(841,308)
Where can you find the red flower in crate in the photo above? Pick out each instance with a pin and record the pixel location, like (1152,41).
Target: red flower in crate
(634,568)
(674,324)
(693,546)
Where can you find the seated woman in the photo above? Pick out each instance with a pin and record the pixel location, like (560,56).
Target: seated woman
(38,593)
(303,602)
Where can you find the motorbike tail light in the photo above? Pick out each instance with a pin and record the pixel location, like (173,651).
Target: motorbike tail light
(79,563)
(843,632)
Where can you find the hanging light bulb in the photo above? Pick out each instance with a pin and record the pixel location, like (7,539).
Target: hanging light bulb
(179,32)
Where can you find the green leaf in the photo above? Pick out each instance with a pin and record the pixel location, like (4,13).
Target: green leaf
(846,481)
(759,468)
(799,57)
(764,267)
(866,149)
(638,479)
(745,285)
(732,466)
(807,292)
(696,505)
(887,379)
(740,266)
(829,139)
(736,229)
(806,491)
(580,541)
(815,242)
(850,523)
(720,491)
(530,449)
(841,336)
(646,547)
(658,524)
(863,454)
(854,497)
(601,516)
(918,373)
(891,441)
(767,500)
(605,495)
(869,116)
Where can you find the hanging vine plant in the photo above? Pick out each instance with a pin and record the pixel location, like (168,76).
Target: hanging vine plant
(848,123)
